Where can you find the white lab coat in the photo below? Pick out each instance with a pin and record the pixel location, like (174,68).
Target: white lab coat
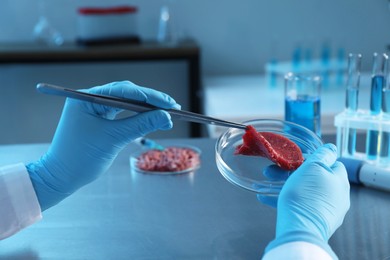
(18,201)
(20,208)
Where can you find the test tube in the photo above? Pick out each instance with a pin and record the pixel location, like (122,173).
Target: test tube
(352,95)
(296,58)
(325,63)
(378,81)
(273,65)
(340,70)
(385,139)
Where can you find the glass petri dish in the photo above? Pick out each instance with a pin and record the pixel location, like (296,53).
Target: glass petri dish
(193,164)
(252,172)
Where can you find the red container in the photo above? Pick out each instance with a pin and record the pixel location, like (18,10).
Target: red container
(104,25)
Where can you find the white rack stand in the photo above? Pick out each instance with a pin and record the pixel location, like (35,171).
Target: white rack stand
(358,125)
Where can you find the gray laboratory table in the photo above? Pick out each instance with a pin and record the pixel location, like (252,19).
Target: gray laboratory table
(124,215)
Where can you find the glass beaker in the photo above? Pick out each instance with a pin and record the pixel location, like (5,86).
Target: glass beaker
(303,101)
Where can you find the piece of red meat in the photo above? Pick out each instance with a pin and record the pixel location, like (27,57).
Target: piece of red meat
(277,148)
(171,159)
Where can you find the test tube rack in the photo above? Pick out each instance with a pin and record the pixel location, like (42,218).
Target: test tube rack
(351,126)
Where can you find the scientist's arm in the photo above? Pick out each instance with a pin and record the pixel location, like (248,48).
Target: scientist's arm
(311,206)
(19,204)
(87,140)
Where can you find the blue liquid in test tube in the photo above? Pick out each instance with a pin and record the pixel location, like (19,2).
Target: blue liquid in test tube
(352,95)
(375,103)
(385,140)
(378,81)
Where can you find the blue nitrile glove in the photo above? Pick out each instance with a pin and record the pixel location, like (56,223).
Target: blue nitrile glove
(88,138)
(314,200)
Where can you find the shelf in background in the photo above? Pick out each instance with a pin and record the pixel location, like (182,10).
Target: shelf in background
(70,53)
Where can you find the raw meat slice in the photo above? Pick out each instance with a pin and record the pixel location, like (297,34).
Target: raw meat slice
(171,159)
(277,148)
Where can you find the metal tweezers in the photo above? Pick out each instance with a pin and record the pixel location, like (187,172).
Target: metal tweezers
(133,105)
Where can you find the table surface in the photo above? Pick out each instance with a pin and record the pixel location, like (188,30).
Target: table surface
(125,215)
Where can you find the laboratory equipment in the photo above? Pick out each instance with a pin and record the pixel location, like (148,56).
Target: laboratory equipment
(297,57)
(353,82)
(303,101)
(362,122)
(44,31)
(132,105)
(340,71)
(272,77)
(167,27)
(331,69)
(88,139)
(250,172)
(149,143)
(165,34)
(325,60)
(107,25)
(372,124)
(352,94)
(385,138)
(378,81)
(371,175)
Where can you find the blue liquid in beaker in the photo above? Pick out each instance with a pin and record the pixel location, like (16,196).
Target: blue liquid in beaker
(304,111)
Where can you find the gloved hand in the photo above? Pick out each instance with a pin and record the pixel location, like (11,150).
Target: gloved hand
(314,200)
(88,138)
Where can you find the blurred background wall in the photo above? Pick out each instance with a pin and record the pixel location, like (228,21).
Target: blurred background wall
(236,38)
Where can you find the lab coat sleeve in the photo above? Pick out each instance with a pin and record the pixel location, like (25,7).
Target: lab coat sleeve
(298,250)
(18,201)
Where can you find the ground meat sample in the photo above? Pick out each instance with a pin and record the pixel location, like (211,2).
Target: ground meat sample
(171,159)
(277,148)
